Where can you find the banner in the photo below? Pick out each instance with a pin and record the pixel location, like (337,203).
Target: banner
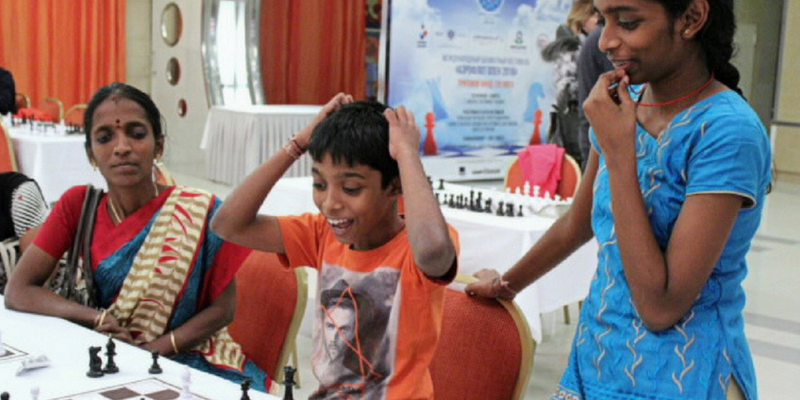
(473,74)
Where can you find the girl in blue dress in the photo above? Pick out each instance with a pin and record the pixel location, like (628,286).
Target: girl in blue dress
(673,193)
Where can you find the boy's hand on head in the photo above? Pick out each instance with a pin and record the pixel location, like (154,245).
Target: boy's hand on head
(333,104)
(404,134)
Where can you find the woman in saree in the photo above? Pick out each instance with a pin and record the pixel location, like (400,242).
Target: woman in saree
(162,280)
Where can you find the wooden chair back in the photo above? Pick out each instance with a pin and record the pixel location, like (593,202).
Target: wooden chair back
(485,350)
(270,303)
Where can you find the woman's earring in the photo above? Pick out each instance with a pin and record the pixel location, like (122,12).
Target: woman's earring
(94,165)
(686,33)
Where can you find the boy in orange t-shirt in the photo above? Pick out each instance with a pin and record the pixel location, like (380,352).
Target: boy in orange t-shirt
(381,274)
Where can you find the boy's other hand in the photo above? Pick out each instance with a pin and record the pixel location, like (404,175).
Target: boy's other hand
(404,134)
(333,104)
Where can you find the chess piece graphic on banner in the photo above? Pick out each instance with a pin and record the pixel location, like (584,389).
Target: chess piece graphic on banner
(430,148)
(155,368)
(111,366)
(95,363)
(536,138)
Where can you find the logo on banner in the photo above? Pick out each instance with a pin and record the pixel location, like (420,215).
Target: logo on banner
(423,34)
(519,41)
(490,5)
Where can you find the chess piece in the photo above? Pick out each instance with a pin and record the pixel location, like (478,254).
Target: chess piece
(441,184)
(155,368)
(288,382)
(111,366)
(510,210)
(95,363)
(488,208)
(5,396)
(186,379)
(519,214)
(430,148)
(34,392)
(245,389)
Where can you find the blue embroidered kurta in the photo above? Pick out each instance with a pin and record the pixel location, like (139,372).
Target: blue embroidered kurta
(717,146)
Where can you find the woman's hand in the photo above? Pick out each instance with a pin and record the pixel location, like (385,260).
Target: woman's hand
(404,134)
(304,136)
(111,327)
(612,113)
(484,286)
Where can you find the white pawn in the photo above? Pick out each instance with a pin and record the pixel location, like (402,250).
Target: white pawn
(536,190)
(526,189)
(186,377)
(517,191)
(34,392)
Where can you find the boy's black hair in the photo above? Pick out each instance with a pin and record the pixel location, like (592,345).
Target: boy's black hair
(357,133)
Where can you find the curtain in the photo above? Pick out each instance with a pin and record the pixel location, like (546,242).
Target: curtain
(312,49)
(63,48)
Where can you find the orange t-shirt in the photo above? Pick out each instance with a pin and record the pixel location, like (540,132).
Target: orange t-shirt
(378,316)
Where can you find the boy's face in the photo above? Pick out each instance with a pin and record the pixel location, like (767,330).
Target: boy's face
(360,212)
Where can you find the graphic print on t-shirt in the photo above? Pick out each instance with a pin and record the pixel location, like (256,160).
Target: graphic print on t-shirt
(355,335)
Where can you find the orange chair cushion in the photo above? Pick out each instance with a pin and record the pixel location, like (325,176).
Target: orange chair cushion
(479,351)
(266,294)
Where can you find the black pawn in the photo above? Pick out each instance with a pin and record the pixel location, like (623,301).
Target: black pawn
(519,214)
(245,389)
(95,363)
(155,368)
(111,367)
(500,209)
(288,382)
(441,184)
(5,396)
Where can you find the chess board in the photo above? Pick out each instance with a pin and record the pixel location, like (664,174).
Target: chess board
(147,389)
(11,354)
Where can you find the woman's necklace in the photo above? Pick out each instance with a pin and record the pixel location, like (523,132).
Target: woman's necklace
(680,99)
(116,213)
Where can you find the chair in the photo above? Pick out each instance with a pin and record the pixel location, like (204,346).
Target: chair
(54,107)
(270,303)
(8,161)
(22,100)
(485,350)
(567,186)
(74,115)
(8,254)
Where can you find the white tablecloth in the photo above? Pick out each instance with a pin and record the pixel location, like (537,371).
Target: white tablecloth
(487,241)
(57,163)
(237,139)
(67,344)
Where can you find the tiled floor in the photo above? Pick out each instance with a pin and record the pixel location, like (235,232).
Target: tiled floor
(772,312)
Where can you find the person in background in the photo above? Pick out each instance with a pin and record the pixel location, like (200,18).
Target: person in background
(592,62)
(133,256)
(365,156)
(8,93)
(22,210)
(563,52)
(673,192)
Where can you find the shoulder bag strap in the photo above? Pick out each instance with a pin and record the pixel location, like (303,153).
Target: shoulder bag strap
(89,219)
(73,257)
